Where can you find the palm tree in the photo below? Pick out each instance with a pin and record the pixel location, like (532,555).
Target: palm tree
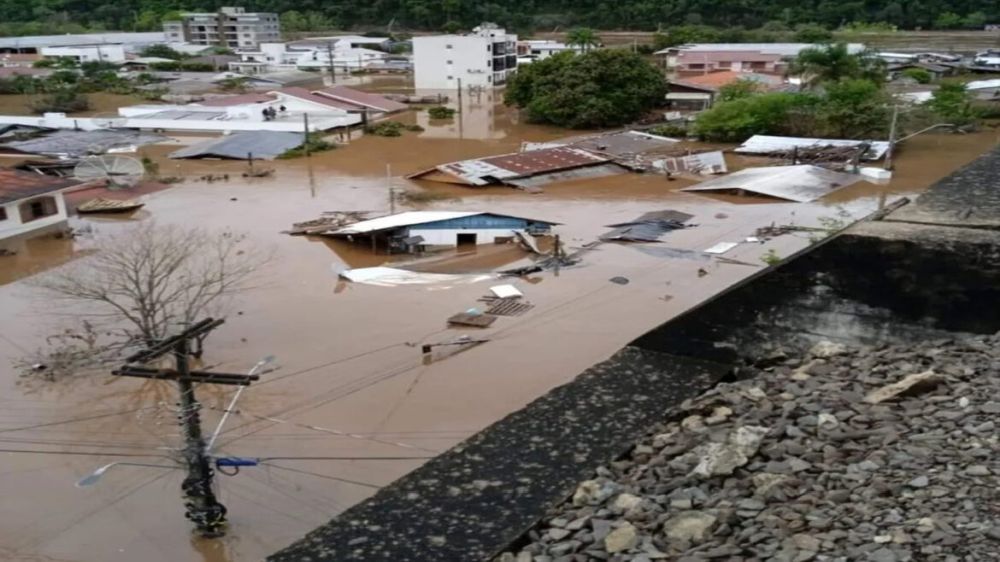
(832,63)
(584,37)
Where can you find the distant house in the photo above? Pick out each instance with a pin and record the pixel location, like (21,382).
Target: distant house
(99,52)
(700,91)
(31,203)
(416,230)
(532,50)
(351,41)
(703,58)
(19,60)
(937,71)
(292,56)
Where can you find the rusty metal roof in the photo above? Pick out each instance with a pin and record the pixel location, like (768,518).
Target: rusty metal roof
(483,171)
(17,184)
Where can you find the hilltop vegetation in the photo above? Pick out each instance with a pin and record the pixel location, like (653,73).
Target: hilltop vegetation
(64,16)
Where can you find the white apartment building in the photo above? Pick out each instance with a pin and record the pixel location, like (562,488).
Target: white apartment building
(230,27)
(533,50)
(87,53)
(483,58)
(272,57)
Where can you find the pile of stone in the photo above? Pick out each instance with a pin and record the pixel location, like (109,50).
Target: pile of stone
(884,454)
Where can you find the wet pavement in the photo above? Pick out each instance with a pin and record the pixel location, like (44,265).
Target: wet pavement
(349,355)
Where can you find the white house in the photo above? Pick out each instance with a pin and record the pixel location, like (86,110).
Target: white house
(532,50)
(31,203)
(107,52)
(283,56)
(483,58)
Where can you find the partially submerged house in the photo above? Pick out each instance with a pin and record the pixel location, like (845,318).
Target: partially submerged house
(768,145)
(418,230)
(985,90)
(242,146)
(700,91)
(31,203)
(801,183)
(68,143)
(696,59)
(527,170)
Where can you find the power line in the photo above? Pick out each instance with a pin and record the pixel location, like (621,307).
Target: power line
(80,453)
(343,459)
(316,474)
(75,420)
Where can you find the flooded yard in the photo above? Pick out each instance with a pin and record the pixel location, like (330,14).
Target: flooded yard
(352,384)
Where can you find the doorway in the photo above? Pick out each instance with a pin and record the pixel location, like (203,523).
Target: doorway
(464,240)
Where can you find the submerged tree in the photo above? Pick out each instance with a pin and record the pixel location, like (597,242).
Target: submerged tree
(154,279)
(603,88)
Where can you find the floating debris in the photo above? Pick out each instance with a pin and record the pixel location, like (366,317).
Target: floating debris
(101,205)
(649,227)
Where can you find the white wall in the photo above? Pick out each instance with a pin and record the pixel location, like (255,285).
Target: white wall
(437,66)
(87,53)
(13,225)
(447,237)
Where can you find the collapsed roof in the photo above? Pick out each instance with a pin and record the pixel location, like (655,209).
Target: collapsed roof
(239,146)
(801,183)
(74,144)
(18,184)
(527,169)
(764,144)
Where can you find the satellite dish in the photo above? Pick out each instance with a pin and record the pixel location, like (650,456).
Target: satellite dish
(119,171)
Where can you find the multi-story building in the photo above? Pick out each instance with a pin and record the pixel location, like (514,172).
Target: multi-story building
(230,27)
(483,58)
(704,58)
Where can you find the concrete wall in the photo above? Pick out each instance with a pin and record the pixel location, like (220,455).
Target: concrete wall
(13,226)
(87,53)
(440,237)
(440,61)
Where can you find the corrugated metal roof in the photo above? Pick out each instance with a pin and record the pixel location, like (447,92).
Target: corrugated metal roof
(306,95)
(81,143)
(38,41)
(262,144)
(484,171)
(705,163)
(783,49)
(363,99)
(801,183)
(764,144)
(241,99)
(17,184)
(412,218)
(982,85)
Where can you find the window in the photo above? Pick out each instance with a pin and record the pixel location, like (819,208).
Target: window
(451,78)
(38,208)
(3,213)
(696,66)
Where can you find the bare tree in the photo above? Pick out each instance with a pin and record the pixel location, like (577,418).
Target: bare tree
(152,279)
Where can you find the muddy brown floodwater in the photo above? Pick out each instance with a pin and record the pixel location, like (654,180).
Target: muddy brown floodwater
(351,380)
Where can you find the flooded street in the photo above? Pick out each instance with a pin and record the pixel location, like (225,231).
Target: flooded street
(351,382)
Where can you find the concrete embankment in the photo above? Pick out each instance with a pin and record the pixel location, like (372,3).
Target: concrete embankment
(925,272)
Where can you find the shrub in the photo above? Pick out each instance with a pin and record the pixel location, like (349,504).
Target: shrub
(314,143)
(441,112)
(738,120)
(386,129)
(67,100)
(919,74)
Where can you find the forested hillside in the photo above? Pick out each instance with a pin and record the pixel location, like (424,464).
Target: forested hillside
(67,15)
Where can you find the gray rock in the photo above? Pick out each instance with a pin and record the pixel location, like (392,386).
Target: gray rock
(689,526)
(977,470)
(716,459)
(919,482)
(622,538)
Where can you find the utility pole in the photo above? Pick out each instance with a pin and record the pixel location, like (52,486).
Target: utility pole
(388,184)
(203,509)
(892,138)
(305,127)
(329,58)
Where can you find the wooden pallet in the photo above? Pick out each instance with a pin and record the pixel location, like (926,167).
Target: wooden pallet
(509,307)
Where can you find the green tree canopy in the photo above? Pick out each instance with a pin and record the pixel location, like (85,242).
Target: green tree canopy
(953,103)
(583,37)
(834,62)
(603,88)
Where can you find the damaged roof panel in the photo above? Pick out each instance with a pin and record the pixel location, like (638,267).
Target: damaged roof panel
(75,144)
(500,169)
(413,218)
(801,184)
(764,144)
(16,184)
(237,146)
(705,163)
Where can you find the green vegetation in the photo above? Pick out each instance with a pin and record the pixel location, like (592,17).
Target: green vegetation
(953,103)
(67,100)
(162,51)
(766,114)
(42,17)
(410,196)
(441,112)
(668,131)
(314,143)
(584,38)
(739,90)
(771,257)
(386,129)
(603,88)
(235,84)
(920,75)
(832,62)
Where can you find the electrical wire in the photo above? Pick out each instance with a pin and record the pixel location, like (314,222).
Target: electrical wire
(318,475)
(80,453)
(344,458)
(76,420)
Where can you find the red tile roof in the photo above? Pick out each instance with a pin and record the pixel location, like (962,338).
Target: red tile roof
(696,57)
(362,99)
(304,94)
(545,160)
(17,184)
(227,101)
(715,80)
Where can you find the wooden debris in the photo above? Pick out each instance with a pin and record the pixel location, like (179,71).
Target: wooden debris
(509,307)
(329,221)
(474,320)
(101,205)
